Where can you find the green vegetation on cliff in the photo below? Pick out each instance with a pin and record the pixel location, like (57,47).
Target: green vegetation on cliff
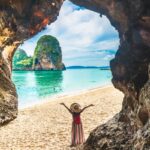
(21,61)
(47,44)
(47,54)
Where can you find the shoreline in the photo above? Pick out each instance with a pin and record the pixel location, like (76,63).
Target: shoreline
(65,95)
(47,126)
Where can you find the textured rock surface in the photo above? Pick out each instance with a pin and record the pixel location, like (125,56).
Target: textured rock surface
(19,20)
(8,96)
(130,128)
(47,54)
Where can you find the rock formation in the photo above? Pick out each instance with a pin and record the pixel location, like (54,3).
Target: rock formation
(130,128)
(21,61)
(19,20)
(47,54)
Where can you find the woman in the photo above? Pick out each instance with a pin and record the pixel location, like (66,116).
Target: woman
(77,134)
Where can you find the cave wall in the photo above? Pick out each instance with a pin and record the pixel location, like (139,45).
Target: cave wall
(130,128)
(19,20)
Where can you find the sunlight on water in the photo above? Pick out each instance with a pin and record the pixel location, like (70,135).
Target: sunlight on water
(35,86)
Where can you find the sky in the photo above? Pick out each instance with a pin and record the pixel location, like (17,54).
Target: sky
(86,38)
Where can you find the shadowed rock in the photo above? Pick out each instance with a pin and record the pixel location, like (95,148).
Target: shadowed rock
(19,20)
(130,128)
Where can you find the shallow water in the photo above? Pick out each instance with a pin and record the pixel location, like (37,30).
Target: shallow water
(36,86)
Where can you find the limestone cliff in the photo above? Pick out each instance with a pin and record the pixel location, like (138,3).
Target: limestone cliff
(47,54)
(130,128)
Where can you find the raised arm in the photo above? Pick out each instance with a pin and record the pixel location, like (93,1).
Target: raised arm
(86,107)
(66,107)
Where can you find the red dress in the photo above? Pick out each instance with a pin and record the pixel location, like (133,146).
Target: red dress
(76,118)
(77,130)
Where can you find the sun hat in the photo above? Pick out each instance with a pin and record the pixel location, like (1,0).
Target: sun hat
(75,107)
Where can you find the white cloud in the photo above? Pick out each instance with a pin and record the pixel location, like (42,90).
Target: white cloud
(79,32)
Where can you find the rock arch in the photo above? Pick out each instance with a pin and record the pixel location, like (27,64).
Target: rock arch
(130,128)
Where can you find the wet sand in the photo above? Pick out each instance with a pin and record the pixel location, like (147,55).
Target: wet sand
(47,126)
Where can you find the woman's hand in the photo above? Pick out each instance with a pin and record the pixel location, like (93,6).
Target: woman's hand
(66,107)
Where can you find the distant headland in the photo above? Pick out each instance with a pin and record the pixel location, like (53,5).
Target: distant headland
(90,67)
(47,56)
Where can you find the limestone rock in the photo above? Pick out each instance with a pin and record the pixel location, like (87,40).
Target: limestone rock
(130,129)
(19,20)
(47,54)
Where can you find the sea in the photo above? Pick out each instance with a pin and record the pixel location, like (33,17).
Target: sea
(38,86)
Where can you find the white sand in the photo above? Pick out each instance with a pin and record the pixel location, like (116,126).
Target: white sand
(47,126)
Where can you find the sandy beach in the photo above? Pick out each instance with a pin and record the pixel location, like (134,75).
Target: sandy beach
(47,126)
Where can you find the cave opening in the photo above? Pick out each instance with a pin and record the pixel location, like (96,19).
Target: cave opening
(88,42)
(129,129)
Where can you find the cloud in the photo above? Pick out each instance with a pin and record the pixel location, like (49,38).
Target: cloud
(80,32)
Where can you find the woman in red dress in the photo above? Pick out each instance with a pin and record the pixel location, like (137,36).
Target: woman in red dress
(77,134)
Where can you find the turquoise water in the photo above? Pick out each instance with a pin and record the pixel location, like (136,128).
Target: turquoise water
(36,86)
